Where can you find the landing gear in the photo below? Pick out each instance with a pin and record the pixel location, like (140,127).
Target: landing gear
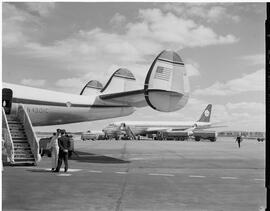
(212,139)
(197,138)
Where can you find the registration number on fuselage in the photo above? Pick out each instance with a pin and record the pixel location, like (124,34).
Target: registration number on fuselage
(37,110)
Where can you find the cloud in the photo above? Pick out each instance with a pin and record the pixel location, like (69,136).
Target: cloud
(94,51)
(70,82)
(152,34)
(33,82)
(256,59)
(211,13)
(250,82)
(192,69)
(175,31)
(42,8)
(118,20)
(17,26)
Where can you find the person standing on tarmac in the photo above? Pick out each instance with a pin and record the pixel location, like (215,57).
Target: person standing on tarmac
(64,145)
(53,145)
(238,140)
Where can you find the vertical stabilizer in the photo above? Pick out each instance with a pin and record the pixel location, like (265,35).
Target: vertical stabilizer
(205,117)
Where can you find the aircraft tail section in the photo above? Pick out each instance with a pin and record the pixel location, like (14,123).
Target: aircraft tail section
(122,80)
(205,117)
(166,86)
(92,87)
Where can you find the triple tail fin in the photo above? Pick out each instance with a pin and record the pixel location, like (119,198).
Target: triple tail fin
(205,117)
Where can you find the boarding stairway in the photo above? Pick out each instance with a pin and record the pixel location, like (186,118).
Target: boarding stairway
(128,131)
(20,141)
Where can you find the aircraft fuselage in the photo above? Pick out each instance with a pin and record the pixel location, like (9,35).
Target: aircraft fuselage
(47,107)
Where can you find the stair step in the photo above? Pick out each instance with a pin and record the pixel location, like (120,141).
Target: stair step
(13,122)
(16,126)
(19,137)
(20,163)
(24,155)
(20,144)
(23,150)
(18,134)
(20,141)
(11,116)
(24,160)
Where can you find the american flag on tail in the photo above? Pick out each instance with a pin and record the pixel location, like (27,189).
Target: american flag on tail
(163,73)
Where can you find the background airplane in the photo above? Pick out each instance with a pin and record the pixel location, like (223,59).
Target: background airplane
(165,89)
(180,129)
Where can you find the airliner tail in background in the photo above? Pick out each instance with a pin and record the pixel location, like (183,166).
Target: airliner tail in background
(205,117)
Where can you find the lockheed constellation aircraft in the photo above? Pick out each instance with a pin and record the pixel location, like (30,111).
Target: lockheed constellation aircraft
(165,89)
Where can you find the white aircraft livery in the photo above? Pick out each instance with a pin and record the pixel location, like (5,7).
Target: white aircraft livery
(180,128)
(166,89)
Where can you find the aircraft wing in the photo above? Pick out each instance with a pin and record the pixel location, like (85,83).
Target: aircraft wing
(165,87)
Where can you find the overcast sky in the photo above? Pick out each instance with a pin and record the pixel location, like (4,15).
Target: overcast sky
(61,46)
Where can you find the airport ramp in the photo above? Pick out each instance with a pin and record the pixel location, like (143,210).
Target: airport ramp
(19,138)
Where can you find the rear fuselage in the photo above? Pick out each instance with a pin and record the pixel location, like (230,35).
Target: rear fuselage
(51,108)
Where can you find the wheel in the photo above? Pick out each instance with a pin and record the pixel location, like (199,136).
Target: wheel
(212,139)
(197,138)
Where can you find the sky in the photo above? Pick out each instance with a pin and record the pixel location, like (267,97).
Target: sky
(62,46)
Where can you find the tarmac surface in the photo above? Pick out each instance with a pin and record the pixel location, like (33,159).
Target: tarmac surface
(144,175)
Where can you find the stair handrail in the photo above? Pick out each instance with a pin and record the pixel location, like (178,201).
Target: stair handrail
(131,132)
(6,135)
(30,133)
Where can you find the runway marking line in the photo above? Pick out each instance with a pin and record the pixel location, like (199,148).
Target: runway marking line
(156,174)
(258,179)
(64,175)
(196,176)
(94,171)
(121,172)
(62,169)
(228,177)
(136,158)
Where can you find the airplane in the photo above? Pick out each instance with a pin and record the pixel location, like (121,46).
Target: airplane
(180,129)
(166,88)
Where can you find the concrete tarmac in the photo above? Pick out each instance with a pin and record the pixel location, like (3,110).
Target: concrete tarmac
(144,175)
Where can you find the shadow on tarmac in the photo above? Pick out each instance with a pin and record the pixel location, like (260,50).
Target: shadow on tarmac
(86,157)
(40,170)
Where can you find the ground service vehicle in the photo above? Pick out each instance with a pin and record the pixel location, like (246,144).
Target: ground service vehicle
(45,150)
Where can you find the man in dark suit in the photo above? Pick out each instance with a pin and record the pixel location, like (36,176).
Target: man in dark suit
(64,145)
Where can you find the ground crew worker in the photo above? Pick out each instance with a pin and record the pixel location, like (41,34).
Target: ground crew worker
(64,145)
(238,140)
